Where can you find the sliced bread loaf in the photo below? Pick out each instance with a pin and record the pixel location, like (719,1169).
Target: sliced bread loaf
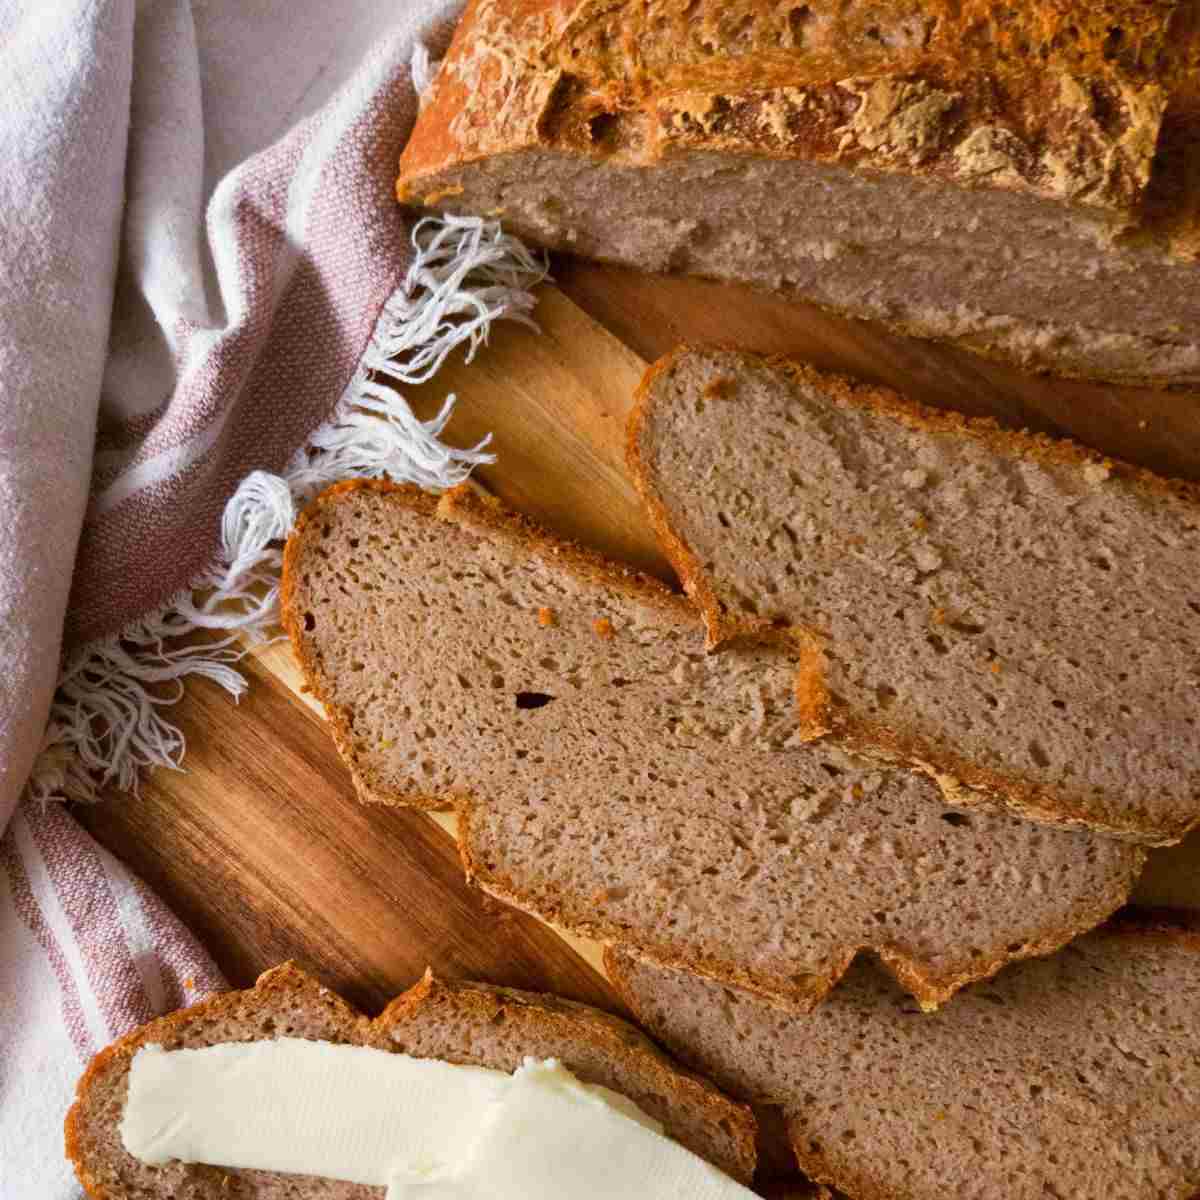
(1011,613)
(468,1023)
(1075,1076)
(613,777)
(1023,179)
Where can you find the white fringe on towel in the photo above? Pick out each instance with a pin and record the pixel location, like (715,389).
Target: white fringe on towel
(107,720)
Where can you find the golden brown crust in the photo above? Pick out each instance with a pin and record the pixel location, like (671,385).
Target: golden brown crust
(963,781)
(936,90)
(485,1003)
(1093,106)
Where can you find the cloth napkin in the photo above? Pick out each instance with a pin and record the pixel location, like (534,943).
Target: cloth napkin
(208,299)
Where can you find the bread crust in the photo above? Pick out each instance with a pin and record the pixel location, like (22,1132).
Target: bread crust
(962,781)
(940,91)
(466,507)
(480,1003)
(1088,109)
(1167,927)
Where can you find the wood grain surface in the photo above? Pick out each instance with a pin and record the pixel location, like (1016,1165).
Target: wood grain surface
(260,845)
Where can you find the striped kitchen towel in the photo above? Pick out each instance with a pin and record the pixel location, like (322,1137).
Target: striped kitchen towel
(208,302)
(87,952)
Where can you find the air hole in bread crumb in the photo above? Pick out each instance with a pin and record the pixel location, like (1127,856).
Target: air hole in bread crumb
(885,695)
(533,699)
(967,627)
(956,819)
(831,770)
(938,644)
(725,522)
(1038,754)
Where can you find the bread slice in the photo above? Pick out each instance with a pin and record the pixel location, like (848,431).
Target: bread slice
(470,1023)
(1010,613)
(1022,179)
(612,777)
(1076,1076)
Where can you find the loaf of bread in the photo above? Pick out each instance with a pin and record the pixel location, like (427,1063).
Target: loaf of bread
(1013,614)
(1022,179)
(1076,1076)
(614,778)
(469,1023)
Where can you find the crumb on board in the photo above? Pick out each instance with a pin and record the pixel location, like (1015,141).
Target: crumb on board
(995,667)
(546,617)
(604,628)
(939,616)
(921,522)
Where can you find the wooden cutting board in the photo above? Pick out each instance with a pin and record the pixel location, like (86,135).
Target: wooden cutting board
(260,844)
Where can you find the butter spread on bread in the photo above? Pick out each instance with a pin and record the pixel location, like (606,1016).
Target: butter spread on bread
(421,1127)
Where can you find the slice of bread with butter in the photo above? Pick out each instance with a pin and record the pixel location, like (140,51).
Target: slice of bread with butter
(456,1090)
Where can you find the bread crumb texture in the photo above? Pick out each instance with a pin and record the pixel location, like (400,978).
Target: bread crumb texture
(639,789)
(1014,610)
(1076,1076)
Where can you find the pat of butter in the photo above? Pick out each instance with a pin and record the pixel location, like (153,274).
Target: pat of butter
(312,1108)
(425,1129)
(551,1138)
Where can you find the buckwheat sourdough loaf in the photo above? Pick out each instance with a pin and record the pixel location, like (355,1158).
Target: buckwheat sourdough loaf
(612,777)
(1020,178)
(1075,1076)
(1011,613)
(468,1023)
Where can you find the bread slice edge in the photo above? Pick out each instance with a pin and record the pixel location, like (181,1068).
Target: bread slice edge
(963,782)
(484,1003)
